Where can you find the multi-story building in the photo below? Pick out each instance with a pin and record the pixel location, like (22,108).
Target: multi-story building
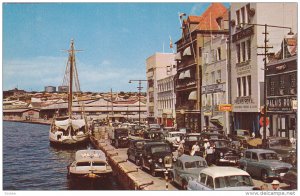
(158,66)
(195,30)
(247,22)
(214,80)
(281,77)
(166,99)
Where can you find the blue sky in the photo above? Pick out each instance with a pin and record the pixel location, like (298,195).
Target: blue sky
(117,38)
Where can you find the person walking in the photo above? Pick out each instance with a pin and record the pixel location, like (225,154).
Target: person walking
(275,185)
(195,148)
(181,148)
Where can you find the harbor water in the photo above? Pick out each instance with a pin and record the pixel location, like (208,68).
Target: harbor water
(30,163)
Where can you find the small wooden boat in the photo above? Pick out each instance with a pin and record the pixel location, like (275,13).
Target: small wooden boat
(89,164)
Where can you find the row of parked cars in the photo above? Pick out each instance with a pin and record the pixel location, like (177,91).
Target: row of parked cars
(153,152)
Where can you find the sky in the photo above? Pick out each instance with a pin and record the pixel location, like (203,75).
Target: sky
(116,39)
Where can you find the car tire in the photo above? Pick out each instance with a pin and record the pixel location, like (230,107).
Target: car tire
(264,176)
(117,144)
(153,172)
(184,185)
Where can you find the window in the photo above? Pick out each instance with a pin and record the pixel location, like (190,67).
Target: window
(244,51)
(200,52)
(249,85)
(244,86)
(272,87)
(243,15)
(238,17)
(254,156)
(293,80)
(281,82)
(248,155)
(248,12)
(213,79)
(249,49)
(210,182)
(239,87)
(202,178)
(219,54)
(219,76)
(238,53)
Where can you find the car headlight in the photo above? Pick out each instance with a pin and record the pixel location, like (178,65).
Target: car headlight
(150,160)
(242,154)
(221,154)
(160,160)
(280,158)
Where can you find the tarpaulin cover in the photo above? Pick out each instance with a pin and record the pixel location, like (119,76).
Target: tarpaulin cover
(64,124)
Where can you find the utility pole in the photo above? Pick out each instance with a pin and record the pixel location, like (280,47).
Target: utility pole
(139,95)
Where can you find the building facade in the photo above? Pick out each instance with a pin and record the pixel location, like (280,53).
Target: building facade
(247,22)
(158,66)
(195,31)
(281,77)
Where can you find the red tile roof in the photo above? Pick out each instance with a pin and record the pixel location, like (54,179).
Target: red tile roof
(207,21)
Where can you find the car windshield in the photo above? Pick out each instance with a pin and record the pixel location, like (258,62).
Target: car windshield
(221,144)
(154,126)
(268,156)
(243,133)
(160,148)
(281,142)
(233,181)
(156,135)
(176,135)
(122,132)
(195,164)
(192,138)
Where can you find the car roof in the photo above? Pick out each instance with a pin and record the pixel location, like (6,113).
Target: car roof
(154,143)
(193,134)
(260,150)
(177,132)
(217,171)
(188,158)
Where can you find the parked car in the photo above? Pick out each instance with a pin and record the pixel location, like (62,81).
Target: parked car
(264,164)
(185,130)
(174,138)
(189,140)
(212,135)
(222,178)
(283,147)
(154,135)
(136,130)
(135,149)
(119,137)
(155,156)
(154,126)
(185,168)
(290,178)
(223,153)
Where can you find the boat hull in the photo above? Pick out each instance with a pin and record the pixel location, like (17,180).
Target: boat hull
(68,141)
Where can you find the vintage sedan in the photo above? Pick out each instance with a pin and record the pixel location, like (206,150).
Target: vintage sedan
(284,149)
(222,178)
(189,140)
(185,168)
(174,138)
(290,178)
(156,157)
(264,164)
(134,152)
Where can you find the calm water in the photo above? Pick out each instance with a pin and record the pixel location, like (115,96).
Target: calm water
(29,163)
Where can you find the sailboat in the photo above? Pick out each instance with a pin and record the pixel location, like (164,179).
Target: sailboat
(70,130)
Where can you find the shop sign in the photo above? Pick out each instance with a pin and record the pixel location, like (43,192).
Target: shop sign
(207,113)
(243,34)
(281,104)
(225,107)
(213,88)
(294,104)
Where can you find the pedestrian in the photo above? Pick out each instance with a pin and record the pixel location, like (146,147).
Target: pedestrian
(209,150)
(275,185)
(195,148)
(180,148)
(264,187)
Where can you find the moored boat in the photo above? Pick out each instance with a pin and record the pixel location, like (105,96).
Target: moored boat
(89,164)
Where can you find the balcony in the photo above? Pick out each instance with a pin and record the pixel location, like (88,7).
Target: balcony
(186,84)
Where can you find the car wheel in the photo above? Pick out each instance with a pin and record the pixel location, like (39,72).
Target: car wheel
(184,185)
(264,176)
(153,172)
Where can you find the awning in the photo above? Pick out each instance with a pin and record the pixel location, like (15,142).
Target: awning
(217,121)
(187,51)
(187,74)
(193,95)
(178,56)
(181,75)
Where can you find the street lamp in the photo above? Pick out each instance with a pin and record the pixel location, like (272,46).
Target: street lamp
(265,47)
(139,88)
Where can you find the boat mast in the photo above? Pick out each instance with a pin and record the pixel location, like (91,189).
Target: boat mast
(72,60)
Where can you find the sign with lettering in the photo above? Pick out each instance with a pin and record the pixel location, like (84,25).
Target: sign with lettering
(225,107)
(294,104)
(243,34)
(280,104)
(213,88)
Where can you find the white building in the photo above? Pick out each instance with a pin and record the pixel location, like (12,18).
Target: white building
(166,99)
(158,66)
(247,74)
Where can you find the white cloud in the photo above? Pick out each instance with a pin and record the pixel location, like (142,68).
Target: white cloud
(195,9)
(105,62)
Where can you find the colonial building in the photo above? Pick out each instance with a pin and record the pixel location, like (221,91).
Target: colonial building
(158,66)
(247,22)
(281,76)
(195,31)
(214,79)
